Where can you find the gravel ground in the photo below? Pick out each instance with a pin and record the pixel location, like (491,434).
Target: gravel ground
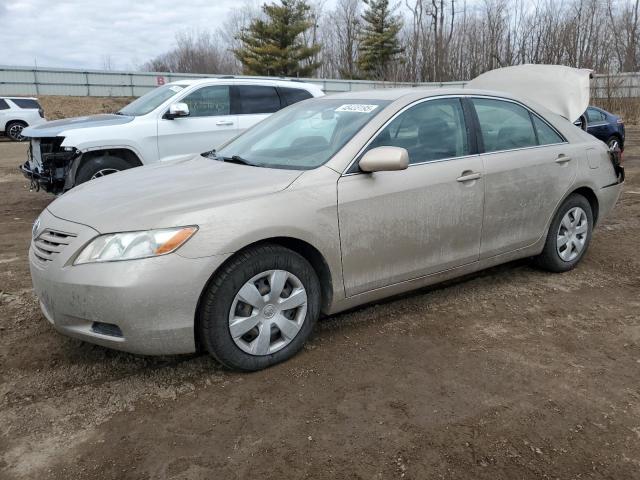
(512,373)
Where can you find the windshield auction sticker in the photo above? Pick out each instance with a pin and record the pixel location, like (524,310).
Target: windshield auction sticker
(356,107)
(175,88)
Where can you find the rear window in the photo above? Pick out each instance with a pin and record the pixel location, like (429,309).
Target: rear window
(26,103)
(257,99)
(294,95)
(3,105)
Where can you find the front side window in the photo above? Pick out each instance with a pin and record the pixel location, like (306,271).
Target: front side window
(305,135)
(431,130)
(151,100)
(594,115)
(257,99)
(209,101)
(504,125)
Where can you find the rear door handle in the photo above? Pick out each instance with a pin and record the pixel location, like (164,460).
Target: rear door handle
(222,123)
(468,176)
(562,158)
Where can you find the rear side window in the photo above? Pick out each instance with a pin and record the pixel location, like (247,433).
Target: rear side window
(209,101)
(293,95)
(3,105)
(431,130)
(26,103)
(504,125)
(546,134)
(257,99)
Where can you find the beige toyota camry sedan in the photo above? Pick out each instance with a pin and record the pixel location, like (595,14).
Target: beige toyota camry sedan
(331,203)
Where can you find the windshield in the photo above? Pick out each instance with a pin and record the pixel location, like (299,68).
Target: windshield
(303,136)
(151,100)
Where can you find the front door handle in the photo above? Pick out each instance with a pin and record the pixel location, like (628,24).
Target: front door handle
(222,123)
(468,176)
(562,158)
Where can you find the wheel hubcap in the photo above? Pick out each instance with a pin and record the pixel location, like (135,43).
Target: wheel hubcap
(268,312)
(572,234)
(103,172)
(15,132)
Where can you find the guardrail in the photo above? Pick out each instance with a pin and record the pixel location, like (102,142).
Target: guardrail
(27,81)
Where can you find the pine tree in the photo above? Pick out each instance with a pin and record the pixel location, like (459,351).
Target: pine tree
(379,44)
(273,46)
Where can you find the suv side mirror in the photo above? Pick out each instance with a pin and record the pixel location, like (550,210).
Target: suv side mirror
(177,110)
(384,159)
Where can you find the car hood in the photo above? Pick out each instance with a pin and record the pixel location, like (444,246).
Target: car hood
(58,127)
(167,194)
(562,90)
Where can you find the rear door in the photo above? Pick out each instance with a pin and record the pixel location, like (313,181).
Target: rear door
(209,124)
(528,167)
(254,103)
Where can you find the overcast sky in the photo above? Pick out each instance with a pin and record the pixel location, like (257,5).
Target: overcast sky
(81,33)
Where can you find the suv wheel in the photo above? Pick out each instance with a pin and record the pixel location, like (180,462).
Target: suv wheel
(569,235)
(97,167)
(14,131)
(260,309)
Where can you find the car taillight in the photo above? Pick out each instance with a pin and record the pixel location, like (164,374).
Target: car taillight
(41,112)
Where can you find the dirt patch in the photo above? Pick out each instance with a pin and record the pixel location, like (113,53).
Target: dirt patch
(56,107)
(510,373)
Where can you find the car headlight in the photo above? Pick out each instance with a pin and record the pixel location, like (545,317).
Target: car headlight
(132,245)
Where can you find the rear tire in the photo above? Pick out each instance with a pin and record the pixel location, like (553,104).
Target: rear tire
(231,322)
(100,166)
(13,130)
(613,141)
(569,235)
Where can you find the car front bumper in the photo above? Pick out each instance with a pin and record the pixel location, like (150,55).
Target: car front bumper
(145,306)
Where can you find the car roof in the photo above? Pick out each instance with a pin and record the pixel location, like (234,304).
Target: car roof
(416,93)
(11,97)
(243,80)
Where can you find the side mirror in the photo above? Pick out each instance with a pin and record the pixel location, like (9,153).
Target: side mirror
(384,159)
(177,110)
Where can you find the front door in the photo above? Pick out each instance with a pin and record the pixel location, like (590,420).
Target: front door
(208,125)
(397,226)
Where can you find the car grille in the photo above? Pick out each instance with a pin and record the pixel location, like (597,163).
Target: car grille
(50,243)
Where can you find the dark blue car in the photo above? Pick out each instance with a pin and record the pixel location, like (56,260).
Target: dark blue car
(605,126)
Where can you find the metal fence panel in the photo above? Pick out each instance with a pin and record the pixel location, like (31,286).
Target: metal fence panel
(64,81)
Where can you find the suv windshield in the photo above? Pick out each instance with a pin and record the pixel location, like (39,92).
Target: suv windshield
(151,100)
(303,136)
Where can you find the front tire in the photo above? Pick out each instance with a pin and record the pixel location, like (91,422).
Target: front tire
(614,142)
(14,131)
(569,235)
(97,167)
(260,309)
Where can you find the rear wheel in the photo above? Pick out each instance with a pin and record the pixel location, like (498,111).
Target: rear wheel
(260,309)
(97,167)
(569,235)
(14,131)
(614,142)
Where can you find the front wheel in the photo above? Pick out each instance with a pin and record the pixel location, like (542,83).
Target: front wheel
(97,167)
(614,142)
(260,309)
(569,235)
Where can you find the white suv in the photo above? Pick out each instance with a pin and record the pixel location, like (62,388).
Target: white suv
(174,121)
(16,113)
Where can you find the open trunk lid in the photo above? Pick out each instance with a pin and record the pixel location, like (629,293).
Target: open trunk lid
(562,90)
